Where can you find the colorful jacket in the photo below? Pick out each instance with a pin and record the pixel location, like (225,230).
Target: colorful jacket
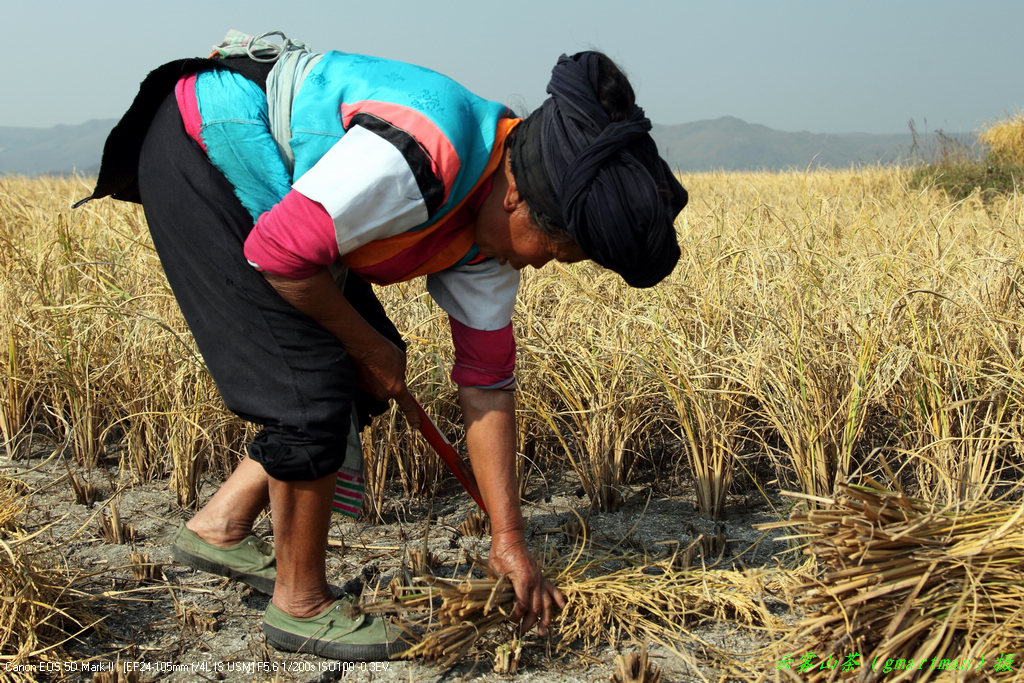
(391,164)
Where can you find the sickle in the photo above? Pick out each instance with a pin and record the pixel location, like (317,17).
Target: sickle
(451,459)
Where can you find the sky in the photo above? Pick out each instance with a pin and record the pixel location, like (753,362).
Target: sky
(823,67)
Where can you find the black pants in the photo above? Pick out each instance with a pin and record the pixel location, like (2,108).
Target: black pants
(272,364)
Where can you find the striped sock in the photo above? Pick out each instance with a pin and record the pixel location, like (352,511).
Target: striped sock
(348,493)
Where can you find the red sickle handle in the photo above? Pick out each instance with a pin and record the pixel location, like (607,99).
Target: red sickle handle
(451,459)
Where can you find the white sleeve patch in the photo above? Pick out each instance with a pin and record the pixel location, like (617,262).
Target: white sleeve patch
(367,187)
(481,296)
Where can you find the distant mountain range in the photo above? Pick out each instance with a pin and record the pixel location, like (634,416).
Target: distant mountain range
(726,143)
(61,149)
(731,144)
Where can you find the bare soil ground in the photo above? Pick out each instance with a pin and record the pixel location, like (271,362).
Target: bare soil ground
(183,625)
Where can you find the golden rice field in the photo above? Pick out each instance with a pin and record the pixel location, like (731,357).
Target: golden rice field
(837,335)
(1005,140)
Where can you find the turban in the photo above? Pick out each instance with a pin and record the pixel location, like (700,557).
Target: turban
(598,176)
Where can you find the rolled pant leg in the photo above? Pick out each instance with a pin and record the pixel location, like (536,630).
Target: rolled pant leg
(272,364)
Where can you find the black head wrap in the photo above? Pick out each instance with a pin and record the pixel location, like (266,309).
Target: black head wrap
(600,180)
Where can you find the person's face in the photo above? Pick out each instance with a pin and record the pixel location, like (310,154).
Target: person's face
(505,231)
(523,244)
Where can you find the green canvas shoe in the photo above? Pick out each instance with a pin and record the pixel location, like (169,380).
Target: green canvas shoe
(339,632)
(250,561)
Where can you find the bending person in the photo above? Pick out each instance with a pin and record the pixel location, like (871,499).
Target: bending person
(278,188)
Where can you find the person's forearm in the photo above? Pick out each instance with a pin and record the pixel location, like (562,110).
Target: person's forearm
(491,440)
(319,298)
(380,363)
(491,437)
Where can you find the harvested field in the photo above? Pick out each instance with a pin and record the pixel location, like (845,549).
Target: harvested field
(840,336)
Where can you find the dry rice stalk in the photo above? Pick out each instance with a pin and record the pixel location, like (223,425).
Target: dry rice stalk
(468,609)
(906,583)
(506,657)
(635,668)
(421,561)
(40,610)
(143,569)
(85,492)
(196,619)
(657,603)
(641,602)
(12,503)
(476,524)
(113,529)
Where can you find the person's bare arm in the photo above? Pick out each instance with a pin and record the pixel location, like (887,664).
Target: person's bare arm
(491,440)
(381,363)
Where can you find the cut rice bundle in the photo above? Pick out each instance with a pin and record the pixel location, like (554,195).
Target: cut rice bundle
(641,602)
(906,581)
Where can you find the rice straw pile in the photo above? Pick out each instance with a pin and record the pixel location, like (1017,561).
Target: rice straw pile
(640,601)
(468,609)
(39,610)
(906,582)
(655,602)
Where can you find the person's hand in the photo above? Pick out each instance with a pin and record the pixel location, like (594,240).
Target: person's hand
(382,374)
(536,597)
(381,364)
